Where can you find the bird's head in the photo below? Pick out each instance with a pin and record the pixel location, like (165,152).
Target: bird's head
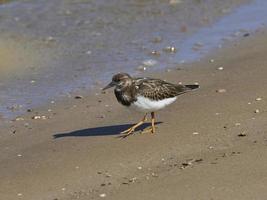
(119,81)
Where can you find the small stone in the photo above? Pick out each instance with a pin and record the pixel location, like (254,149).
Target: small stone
(212,60)
(195,133)
(257,111)
(220,68)
(242,134)
(36,117)
(170,49)
(19,155)
(19,119)
(63,189)
(249,103)
(19,194)
(155,53)
(102,195)
(139,168)
(237,124)
(141,68)
(88,52)
(154,174)
(258,99)
(246,35)
(221,90)
(78,97)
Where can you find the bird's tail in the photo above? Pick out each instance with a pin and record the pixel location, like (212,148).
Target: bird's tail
(192,87)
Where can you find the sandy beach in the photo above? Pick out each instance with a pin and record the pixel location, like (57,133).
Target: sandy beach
(209,144)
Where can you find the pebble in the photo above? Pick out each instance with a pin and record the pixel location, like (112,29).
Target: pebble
(19,155)
(88,52)
(242,134)
(19,194)
(195,133)
(155,53)
(258,99)
(19,119)
(139,168)
(78,97)
(63,189)
(154,174)
(149,62)
(257,111)
(221,90)
(141,68)
(220,68)
(212,60)
(103,195)
(36,117)
(237,124)
(170,49)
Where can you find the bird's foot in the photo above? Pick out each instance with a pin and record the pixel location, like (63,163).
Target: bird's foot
(127,132)
(149,130)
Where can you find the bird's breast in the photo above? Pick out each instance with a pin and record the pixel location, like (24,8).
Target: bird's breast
(147,105)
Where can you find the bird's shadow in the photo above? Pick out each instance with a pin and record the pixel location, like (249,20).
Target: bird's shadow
(101,131)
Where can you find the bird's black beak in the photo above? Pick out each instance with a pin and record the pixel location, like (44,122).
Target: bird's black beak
(111,84)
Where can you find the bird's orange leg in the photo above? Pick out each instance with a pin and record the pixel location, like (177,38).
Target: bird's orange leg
(131,129)
(151,129)
(153,122)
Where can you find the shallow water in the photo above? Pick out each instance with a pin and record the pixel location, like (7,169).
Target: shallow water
(50,48)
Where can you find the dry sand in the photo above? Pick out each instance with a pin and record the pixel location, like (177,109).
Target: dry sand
(225,160)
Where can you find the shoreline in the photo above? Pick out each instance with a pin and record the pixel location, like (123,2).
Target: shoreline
(88,161)
(83,50)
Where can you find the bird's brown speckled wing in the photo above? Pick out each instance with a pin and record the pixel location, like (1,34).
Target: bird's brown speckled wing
(157,89)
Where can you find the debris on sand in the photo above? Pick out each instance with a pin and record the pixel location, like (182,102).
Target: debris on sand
(257,111)
(102,195)
(170,49)
(221,90)
(78,97)
(243,134)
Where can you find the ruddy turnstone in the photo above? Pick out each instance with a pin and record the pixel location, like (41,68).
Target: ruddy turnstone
(146,95)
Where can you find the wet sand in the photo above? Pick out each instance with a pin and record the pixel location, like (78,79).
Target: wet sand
(208,145)
(52,46)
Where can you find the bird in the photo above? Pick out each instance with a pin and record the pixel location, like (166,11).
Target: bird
(146,95)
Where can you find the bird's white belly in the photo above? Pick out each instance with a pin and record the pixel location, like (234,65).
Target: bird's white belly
(146,105)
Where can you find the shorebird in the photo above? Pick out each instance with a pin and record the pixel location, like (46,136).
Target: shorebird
(147,95)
